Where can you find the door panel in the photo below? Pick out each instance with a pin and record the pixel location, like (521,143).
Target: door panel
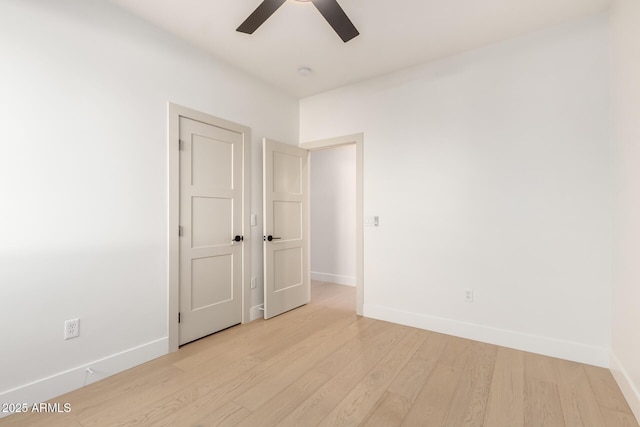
(208,151)
(287,271)
(205,231)
(286,219)
(210,215)
(288,173)
(211,281)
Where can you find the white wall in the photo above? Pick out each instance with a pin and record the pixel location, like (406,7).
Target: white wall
(489,170)
(625,17)
(333,215)
(83,183)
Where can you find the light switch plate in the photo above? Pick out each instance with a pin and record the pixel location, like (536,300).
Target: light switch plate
(371,221)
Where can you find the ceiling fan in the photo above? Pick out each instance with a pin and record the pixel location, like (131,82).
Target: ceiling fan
(330,9)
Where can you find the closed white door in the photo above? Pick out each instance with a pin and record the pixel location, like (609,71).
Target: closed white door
(286,227)
(210,218)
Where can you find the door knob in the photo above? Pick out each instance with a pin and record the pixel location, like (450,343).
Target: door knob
(238,239)
(270,238)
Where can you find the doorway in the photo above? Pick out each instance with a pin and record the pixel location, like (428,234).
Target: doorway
(356,140)
(333,215)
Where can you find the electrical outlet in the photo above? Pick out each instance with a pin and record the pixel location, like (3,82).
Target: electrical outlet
(71,328)
(468,295)
(253,283)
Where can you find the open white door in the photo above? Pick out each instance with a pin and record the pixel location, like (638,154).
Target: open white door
(286,227)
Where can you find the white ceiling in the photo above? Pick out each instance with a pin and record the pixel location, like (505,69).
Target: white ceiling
(394,34)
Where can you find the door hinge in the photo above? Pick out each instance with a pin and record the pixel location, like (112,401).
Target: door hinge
(180,145)
(179,317)
(180,232)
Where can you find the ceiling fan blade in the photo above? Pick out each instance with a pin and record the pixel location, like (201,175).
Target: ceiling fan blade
(261,14)
(336,17)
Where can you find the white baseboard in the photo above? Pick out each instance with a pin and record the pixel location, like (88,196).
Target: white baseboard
(73,379)
(256,313)
(568,350)
(333,278)
(629,389)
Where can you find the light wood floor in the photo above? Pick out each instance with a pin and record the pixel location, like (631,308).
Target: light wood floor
(322,365)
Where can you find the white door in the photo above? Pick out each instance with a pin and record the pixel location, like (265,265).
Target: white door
(210,218)
(286,227)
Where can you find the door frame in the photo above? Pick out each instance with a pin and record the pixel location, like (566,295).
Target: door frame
(358,140)
(174,112)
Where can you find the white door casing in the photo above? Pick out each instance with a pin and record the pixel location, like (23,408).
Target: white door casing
(208,199)
(286,227)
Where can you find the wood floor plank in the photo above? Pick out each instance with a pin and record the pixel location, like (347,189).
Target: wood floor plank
(432,403)
(353,409)
(227,415)
(542,368)
(469,402)
(322,364)
(506,397)
(606,390)
(541,397)
(579,404)
(371,333)
(223,371)
(112,389)
(414,374)
(261,392)
(257,337)
(40,419)
(389,411)
(171,396)
(328,294)
(302,327)
(315,408)
(456,352)
(614,418)
(281,404)
(293,362)
(542,405)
